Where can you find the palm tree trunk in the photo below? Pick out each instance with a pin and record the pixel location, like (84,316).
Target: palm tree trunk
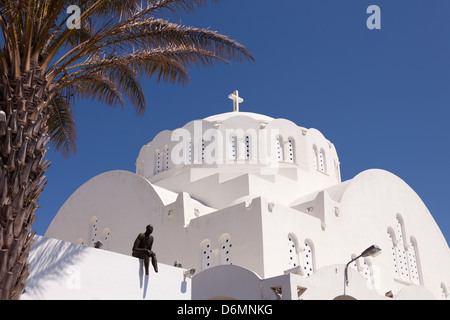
(23,137)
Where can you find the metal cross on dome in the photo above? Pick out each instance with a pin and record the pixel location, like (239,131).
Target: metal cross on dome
(236,100)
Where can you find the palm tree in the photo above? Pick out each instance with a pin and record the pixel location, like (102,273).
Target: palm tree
(52,51)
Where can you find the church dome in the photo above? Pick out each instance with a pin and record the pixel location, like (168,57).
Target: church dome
(238,138)
(237,144)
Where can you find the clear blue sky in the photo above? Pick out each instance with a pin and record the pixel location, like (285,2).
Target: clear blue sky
(381,96)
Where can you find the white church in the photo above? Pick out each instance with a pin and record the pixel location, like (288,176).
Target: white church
(244,206)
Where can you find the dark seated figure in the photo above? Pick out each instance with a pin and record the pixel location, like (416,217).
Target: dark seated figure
(142,249)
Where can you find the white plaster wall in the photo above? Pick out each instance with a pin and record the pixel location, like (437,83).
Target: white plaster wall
(287,182)
(125,203)
(326,283)
(184,243)
(368,205)
(122,201)
(232,282)
(227,282)
(277,225)
(61,270)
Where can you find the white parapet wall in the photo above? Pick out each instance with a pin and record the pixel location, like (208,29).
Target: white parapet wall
(63,270)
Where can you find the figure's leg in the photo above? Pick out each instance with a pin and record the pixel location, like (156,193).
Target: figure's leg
(154,262)
(146,263)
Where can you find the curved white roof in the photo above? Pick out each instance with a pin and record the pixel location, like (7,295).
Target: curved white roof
(227,115)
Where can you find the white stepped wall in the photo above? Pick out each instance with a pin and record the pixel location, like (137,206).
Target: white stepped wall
(63,270)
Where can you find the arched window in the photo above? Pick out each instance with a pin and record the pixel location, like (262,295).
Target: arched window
(188,157)
(364,267)
(106,234)
(315,157)
(93,231)
(248,147)
(401,252)
(354,265)
(157,163)
(308,258)
(413,264)
(233,151)
(166,158)
(392,241)
(399,229)
(225,248)
(203,150)
(292,251)
(291,150)
(405,255)
(367,273)
(206,254)
(279,148)
(322,163)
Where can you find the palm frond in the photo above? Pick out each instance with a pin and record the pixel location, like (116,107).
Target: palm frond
(152,32)
(61,124)
(119,8)
(176,6)
(126,78)
(100,87)
(119,41)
